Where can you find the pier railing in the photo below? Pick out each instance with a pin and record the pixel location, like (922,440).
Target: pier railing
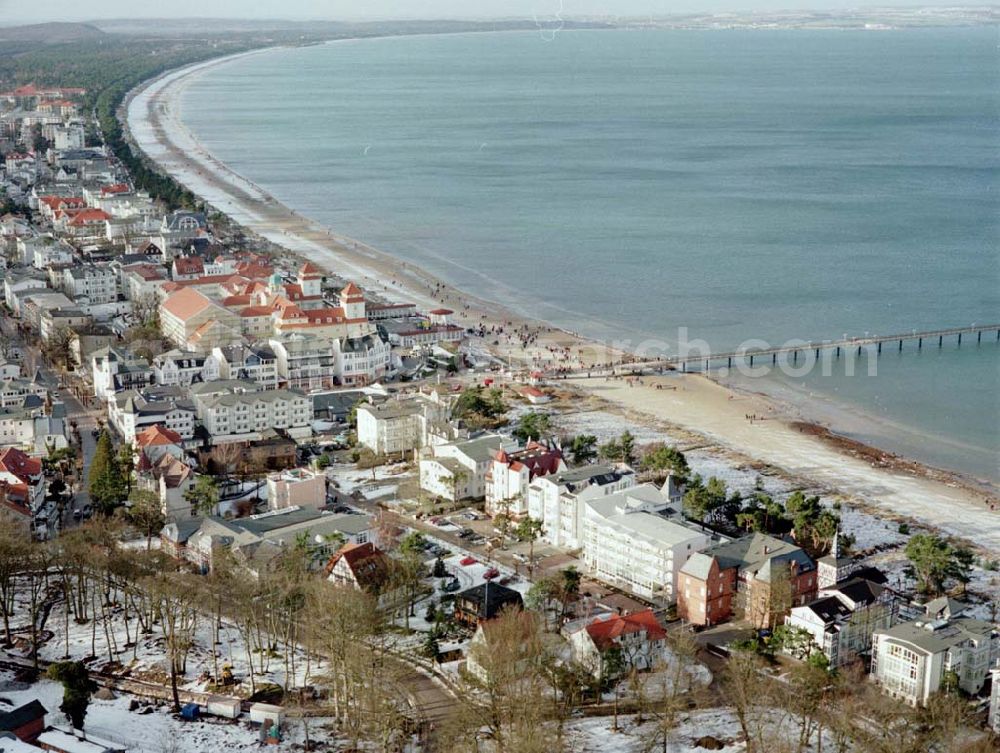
(873,344)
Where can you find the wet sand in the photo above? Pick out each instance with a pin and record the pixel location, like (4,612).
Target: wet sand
(695,403)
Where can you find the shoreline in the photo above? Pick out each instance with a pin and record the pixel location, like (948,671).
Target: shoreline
(165,140)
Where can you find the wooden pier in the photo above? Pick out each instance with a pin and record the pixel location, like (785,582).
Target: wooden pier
(751,357)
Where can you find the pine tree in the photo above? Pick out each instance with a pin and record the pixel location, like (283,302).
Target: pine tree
(105,482)
(77,688)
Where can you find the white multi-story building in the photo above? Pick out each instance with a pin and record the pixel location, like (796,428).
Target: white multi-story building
(240,411)
(132,411)
(403,425)
(114,370)
(141,281)
(994,718)
(629,541)
(305,362)
(44,251)
(557,500)
(90,284)
(912,660)
(458,470)
(177,367)
(843,618)
(361,360)
(510,473)
(14,286)
(252,363)
(17,427)
(13,393)
(68,137)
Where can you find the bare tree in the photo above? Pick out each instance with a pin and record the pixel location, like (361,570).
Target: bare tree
(508,701)
(748,692)
(176,604)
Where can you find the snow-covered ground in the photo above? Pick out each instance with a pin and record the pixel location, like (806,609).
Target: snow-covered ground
(156,731)
(595,735)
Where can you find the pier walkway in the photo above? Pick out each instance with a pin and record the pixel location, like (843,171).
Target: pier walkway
(792,352)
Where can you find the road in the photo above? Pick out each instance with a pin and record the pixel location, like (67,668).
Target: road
(86,421)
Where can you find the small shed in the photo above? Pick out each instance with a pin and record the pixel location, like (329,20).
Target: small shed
(218,705)
(266,713)
(25,722)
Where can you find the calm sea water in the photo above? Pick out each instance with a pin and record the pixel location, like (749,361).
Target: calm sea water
(768,185)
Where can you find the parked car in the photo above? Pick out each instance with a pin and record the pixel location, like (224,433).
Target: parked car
(451,586)
(466,561)
(491,574)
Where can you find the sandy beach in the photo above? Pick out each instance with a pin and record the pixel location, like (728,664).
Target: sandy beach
(156,126)
(691,402)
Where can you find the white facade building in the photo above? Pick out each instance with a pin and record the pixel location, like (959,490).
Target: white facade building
(910,660)
(467,462)
(240,411)
(361,360)
(558,499)
(176,367)
(510,473)
(994,718)
(132,411)
(843,618)
(305,362)
(252,363)
(91,284)
(629,542)
(403,425)
(114,370)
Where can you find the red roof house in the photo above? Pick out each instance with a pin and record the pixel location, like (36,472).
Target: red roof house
(640,637)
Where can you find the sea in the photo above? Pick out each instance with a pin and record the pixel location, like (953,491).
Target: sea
(651,188)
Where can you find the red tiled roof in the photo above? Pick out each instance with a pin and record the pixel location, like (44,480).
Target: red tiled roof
(157,435)
(368,563)
(89,215)
(605,633)
(185,303)
(310,270)
(20,464)
(537,458)
(15,497)
(115,188)
(55,202)
(189,265)
(256,311)
(442,312)
(236,300)
(351,291)
(147,272)
(254,270)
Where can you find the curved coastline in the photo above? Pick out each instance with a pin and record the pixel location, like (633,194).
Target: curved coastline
(155,125)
